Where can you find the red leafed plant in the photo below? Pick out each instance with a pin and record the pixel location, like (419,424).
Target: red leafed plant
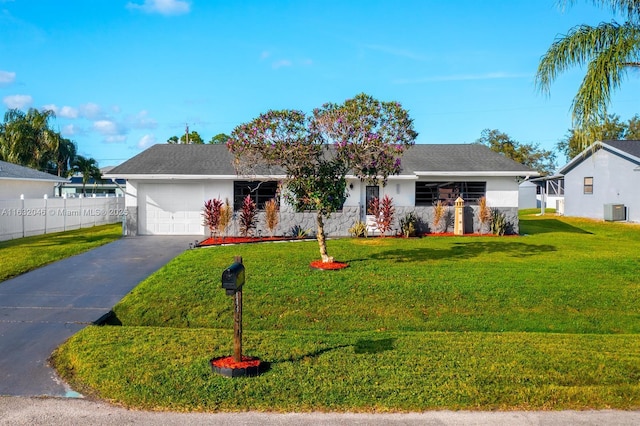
(248,216)
(383,212)
(212,209)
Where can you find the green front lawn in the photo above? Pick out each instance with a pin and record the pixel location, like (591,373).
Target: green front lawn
(549,320)
(24,254)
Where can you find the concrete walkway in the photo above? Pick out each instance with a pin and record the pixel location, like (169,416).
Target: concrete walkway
(39,310)
(49,411)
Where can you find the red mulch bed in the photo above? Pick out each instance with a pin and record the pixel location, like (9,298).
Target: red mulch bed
(216,241)
(228,362)
(328,266)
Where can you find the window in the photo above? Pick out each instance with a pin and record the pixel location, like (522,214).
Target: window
(428,193)
(588,185)
(260,192)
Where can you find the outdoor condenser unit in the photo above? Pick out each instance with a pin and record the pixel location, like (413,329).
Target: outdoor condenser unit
(613,212)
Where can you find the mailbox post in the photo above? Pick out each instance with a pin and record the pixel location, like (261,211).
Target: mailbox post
(232,282)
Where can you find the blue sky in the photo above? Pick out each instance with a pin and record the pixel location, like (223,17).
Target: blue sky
(125,74)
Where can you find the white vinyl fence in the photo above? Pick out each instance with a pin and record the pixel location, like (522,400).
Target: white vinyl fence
(25,217)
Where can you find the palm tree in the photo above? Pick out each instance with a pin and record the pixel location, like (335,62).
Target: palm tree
(27,139)
(65,155)
(88,168)
(608,50)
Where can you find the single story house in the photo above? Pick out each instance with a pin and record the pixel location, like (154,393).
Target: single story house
(17,181)
(103,187)
(168,184)
(602,182)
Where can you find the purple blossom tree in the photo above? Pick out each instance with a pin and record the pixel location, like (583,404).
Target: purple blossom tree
(362,136)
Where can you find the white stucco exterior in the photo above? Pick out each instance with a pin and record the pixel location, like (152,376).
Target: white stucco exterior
(13,188)
(616,180)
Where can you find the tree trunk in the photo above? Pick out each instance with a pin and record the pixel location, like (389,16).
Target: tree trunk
(322,240)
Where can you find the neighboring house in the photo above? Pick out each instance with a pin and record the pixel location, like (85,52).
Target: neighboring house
(16,181)
(168,184)
(542,193)
(603,182)
(104,187)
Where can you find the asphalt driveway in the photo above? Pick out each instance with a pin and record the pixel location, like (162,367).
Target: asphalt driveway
(39,310)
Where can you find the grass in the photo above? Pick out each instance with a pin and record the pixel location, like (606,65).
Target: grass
(549,320)
(25,254)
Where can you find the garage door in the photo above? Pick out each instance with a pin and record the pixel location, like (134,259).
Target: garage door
(170,209)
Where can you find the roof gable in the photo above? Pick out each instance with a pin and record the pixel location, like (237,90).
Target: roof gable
(629,150)
(215,160)
(17,172)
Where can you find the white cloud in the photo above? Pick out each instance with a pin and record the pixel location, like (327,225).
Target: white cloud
(115,139)
(281,63)
(106,127)
(163,7)
(112,131)
(7,77)
(17,101)
(265,54)
(142,121)
(68,112)
(146,141)
(91,111)
(70,130)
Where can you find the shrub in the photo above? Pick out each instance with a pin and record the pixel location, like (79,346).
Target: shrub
(211,215)
(248,216)
(383,212)
(439,217)
(484,214)
(226,213)
(408,225)
(359,229)
(271,215)
(499,224)
(299,232)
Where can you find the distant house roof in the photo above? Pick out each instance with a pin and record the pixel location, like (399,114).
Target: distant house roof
(214,160)
(629,150)
(17,172)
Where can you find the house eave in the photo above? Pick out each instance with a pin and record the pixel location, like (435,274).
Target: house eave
(480,173)
(191,177)
(51,181)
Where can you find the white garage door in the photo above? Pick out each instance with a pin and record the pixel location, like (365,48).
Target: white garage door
(171,209)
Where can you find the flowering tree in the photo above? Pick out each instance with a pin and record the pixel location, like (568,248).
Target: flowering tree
(362,136)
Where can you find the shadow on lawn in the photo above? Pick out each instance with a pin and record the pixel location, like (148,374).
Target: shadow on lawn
(362,346)
(465,250)
(545,226)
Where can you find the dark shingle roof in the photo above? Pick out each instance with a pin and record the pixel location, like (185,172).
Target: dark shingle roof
(630,147)
(15,171)
(202,160)
(457,158)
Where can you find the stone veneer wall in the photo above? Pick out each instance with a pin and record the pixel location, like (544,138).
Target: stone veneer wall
(338,224)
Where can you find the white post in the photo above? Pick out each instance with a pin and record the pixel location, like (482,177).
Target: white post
(22,211)
(45,213)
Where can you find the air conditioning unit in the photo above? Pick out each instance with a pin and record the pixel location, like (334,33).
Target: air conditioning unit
(614,212)
(560,206)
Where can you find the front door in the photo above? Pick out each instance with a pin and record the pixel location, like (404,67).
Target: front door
(371,193)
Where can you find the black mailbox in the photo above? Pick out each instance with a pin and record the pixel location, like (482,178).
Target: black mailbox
(233,278)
